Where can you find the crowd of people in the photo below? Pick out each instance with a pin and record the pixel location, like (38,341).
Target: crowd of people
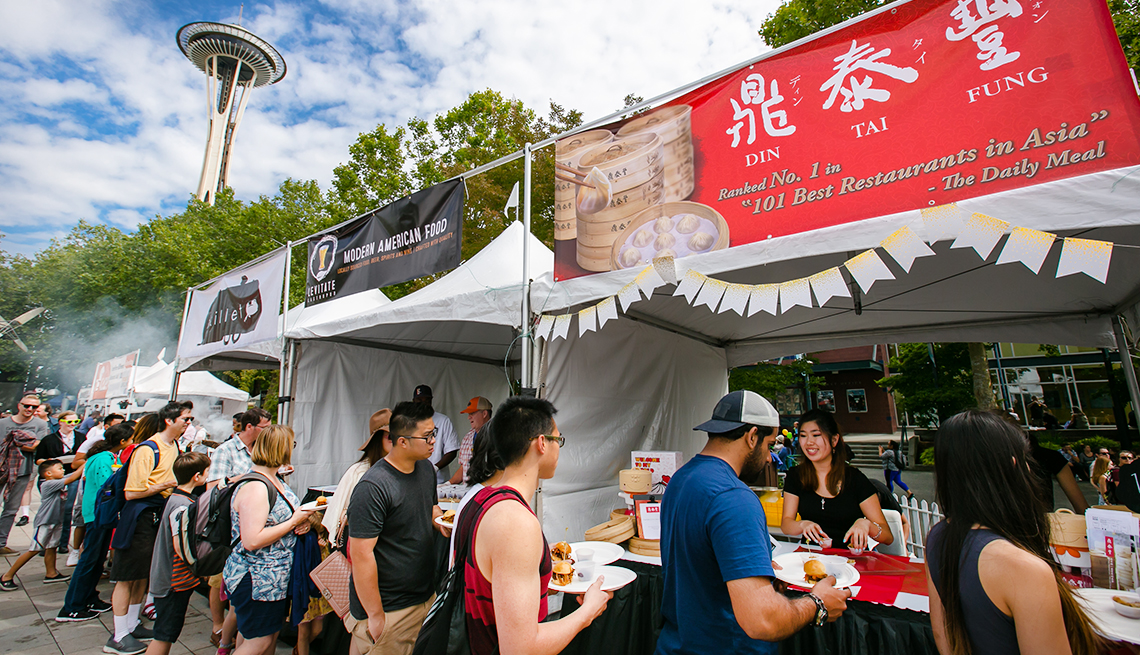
(720,589)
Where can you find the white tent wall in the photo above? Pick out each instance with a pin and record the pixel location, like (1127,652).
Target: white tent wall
(630,387)
(339,386)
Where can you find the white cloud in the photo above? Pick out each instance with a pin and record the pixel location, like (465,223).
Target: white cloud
(105,120)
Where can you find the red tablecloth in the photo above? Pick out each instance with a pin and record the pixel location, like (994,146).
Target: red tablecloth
(883,577)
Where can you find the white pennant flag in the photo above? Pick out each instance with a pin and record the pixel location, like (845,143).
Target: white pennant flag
(829,284)
(588,320)
(690,285)
(763,298)
(735,299)
(711,293)
(942,222)
(981,233)
(795,292)
(1086,256)
(666,269)
(1030,247)
(905,247)
(868,268)
(544,324)
(628,295)
(648,280)
(607,311)
(561,327)
(513,201)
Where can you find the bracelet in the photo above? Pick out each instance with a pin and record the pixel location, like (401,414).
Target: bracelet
(821,614)
(876,537)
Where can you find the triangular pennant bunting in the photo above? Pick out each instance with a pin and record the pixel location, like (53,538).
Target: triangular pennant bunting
(763,298)
(542,331)
(711,293)
(981,233)
(561,327)
(829,284)
(607,311)
(1086,256)
(735,299)
(905,247)
(795,292)
(690,285)
(1030,247)
(628,295)
(868,268)
(588,320)
(942,222)
(648,280)
(665,268)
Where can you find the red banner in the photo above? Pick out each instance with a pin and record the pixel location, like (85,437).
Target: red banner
(921,105)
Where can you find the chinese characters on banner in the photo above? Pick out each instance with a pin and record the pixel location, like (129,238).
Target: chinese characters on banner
(921,105)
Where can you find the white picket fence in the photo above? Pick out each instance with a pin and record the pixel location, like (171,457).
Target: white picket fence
(922,516)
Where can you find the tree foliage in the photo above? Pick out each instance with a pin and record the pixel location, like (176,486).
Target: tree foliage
(931,389)
(770,380)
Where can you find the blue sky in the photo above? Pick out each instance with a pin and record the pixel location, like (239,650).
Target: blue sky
(103,119)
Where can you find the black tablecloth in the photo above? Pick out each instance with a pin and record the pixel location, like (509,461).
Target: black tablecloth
(629,625)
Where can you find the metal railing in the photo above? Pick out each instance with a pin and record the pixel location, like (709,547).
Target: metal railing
(922,516)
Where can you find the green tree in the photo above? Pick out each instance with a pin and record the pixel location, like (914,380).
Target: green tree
(933,381)
(1126,18)
(796,19)
(770,380)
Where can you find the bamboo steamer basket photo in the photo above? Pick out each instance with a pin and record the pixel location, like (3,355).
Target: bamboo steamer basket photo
(645,547)
(669,209)
(614,531)
(670,123)
(628,162)
(568,152)
(674,126)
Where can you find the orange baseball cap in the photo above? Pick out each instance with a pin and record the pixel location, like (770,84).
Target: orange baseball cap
(477,403)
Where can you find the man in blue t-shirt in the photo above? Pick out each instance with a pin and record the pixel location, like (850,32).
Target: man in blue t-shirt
(715,550)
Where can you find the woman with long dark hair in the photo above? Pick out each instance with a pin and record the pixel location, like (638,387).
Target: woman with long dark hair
(834,500)
(993,586)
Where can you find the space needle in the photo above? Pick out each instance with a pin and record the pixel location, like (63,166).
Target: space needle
(235,62)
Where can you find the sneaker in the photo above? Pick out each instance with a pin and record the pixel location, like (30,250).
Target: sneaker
(58,577)
(22,522)
(149,611)
(8,585)
(142,634)
(225,650)
(99,606)
(127,646)
(73,557)
(75,617)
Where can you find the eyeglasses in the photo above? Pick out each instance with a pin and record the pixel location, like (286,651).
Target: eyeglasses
(430,436)
(1126,458)
(560,439)
(70,421)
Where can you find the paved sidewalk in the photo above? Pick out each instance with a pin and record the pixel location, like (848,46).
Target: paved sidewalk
(27,616)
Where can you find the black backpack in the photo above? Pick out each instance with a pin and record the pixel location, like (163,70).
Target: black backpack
(900,460)
(202,529)
(111,496)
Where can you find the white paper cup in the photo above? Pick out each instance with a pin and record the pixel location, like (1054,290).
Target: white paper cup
(825,543)
(584,554)
(585,571)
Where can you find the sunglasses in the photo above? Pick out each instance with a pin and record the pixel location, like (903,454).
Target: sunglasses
(27,406)
(188,419)
(70,421)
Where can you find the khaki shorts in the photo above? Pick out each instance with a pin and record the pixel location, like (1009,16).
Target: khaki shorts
(215,581)
(400,631)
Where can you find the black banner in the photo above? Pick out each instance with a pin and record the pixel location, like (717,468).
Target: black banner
(409,238)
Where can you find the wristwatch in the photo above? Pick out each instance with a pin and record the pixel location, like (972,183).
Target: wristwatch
(820,610)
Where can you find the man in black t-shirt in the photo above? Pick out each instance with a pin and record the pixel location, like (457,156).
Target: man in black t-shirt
(391,530)
(1049,464)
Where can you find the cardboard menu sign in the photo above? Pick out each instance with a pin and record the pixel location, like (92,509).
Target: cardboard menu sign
(648,519)
(1113,536)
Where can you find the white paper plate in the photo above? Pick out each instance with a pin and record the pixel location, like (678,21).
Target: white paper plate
(616,577)
(792,569)
(1098,603)
(604,551)
(440,522)
(314,507)
(66,459)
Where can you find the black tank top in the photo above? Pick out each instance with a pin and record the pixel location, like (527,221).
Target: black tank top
(991,632)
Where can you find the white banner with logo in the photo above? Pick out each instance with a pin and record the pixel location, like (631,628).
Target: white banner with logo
(114,377)
(239,309)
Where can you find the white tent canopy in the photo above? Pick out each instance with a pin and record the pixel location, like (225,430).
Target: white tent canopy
(156,381)
(456,335)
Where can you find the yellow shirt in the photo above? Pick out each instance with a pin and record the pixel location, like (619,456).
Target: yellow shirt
(143,473)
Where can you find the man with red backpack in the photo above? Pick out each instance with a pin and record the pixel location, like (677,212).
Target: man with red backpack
(150,477)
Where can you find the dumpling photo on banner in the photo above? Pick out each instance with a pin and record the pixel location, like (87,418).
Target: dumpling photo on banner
(1086,256)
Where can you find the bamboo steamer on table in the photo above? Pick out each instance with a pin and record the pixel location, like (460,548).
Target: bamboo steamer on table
(615,531)
(645,547)
(674,126)
(634,168)
(568,152)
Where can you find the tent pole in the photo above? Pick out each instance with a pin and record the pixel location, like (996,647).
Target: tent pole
(525,372)
(1129,374)
(285,294)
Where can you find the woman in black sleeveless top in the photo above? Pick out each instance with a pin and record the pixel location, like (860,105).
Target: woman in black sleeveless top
(993,585)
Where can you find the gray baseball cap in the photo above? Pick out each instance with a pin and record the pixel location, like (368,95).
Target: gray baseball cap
(741,408)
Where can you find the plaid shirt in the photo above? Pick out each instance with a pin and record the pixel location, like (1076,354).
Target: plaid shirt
(230,460)
(466,447)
